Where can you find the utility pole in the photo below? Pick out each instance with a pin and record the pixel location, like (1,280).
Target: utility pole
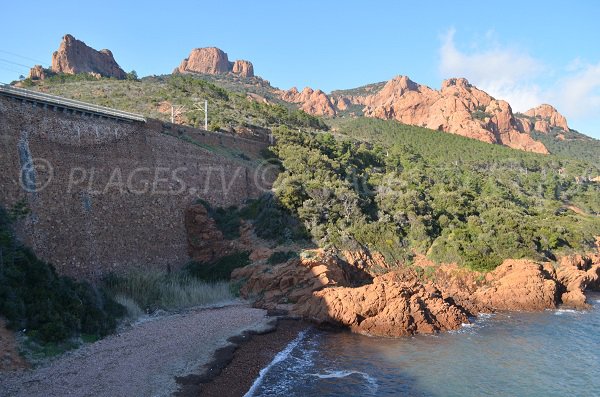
(205,110)
(176,111)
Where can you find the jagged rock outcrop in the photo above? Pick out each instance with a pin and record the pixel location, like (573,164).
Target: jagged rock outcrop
(520,285)
(546,118)
(388,307)
(327,289)
(458,107)
(243,68)
(37,73)
(577,273)
(349,290)
(74,56)
(274,286)
(311,101)
(212,60)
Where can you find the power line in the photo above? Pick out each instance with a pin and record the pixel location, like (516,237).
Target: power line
(15,63)
(11,70)
(22,56)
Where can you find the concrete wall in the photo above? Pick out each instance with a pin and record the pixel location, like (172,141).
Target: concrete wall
(107,195)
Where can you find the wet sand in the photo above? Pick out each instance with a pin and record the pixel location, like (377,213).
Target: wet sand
(235,368)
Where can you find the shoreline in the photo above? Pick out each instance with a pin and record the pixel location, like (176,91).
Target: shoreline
(145,359)
(235,367)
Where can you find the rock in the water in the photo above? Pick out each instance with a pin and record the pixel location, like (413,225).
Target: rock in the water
(577,273)
(520,285)
(387,307)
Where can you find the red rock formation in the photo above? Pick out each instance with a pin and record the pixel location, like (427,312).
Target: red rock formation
(547,117)
(74,56)
(520,285)
(406,301)
(243,68)
(388,307)
(37,73)
(458,108)
(342,103)
(577,273)
(211,60)
(311,101)
(274,286)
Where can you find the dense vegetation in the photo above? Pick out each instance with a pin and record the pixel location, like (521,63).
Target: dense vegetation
(574,145)
(50,308)
(270,220)
(401,190)
(145,96)
(404,190)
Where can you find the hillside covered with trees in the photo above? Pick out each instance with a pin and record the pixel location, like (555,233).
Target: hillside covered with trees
(404,190)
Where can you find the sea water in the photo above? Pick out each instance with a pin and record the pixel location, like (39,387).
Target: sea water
(553,353)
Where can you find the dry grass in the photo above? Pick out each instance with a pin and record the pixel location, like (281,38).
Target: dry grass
(152,290)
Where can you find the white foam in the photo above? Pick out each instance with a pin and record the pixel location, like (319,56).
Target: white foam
(560,312)
(342,374)
(279,357)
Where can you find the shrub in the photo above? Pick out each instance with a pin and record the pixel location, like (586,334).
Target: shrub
(281,257)
(49,307)
(221,269)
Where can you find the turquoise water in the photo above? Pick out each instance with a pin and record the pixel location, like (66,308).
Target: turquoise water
(554,353)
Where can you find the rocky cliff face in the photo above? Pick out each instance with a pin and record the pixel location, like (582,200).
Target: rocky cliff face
(243,68)
(74,56)
(458,107)
(310,101)
(211,60)
(352,293)
(544,118)
(37,73)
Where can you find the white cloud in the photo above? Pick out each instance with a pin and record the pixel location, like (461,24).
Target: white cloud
(578,94)
(513,75)
(501,71)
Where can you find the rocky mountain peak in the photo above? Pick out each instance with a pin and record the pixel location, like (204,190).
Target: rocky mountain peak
(311,101)
(212,60)
(456,82)
(546,118)
(74,56)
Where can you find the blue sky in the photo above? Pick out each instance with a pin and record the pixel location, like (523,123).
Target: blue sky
(526,53)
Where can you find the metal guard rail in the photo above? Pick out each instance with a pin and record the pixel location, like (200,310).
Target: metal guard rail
(70,103)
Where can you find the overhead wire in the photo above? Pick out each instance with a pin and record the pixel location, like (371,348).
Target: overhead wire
(14,63)
(21,56)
